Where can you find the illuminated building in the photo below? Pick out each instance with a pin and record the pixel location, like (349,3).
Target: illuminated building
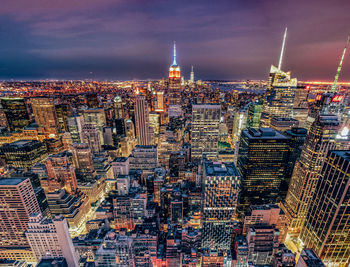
(24,153)
(326,228)
(283,124)
(319,140)
(269,214)
(240,252)
(297,140)
(220,189)
(118,108)
(122,212)
(263,154)
(174,87)
(239,124)
(61,174)
(205,131)
(91,137)
(97,118)
(154,122)
(75,208)
(280,96)
(63,111)
(145,240)
(45,115)
(116,250)
(82,161)
(262,244)
(16,113)
(160,101)
(144,158)
(49,238)
(120,165)
(192,76)
(17,202)
(143,133)
(308,258)
(75,125)
(254,114)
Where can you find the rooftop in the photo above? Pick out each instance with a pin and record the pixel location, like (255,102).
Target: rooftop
(11,181)
(220,169)
(264,133)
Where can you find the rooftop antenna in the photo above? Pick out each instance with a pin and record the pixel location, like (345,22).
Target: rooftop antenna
(282,50)
(174,56)
(334,86)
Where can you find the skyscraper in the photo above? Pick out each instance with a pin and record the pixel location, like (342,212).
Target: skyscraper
(280,93)
(60,173)
(263,154)
(17,202)
(220,189)
(327,228)
(254,114)
(118,108)
(57,241)
(174,88)
(91,137)
(82,161)
(205,130)
(45,115)
(143,133)
(16,113)
(320,139)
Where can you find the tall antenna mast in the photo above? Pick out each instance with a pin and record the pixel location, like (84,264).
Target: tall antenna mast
(282,50)
(334,86)
(174,56)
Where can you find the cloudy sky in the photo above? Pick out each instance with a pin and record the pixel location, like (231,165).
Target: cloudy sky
(126,39)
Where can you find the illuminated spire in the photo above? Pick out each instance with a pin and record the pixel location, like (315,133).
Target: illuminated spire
(174,57)
(334,86)
(192,75)
(282,50)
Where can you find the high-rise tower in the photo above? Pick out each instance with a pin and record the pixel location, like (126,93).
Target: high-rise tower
(327,221)
(320,139)
(174,89)
(143,132)
(280,92)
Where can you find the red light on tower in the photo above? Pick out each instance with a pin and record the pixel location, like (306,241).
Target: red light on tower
(307,87)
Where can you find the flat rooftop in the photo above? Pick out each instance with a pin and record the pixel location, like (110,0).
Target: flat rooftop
(11,181)
(264,133)
(220,169)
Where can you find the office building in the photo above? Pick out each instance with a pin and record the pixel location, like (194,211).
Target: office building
(82,161)
(205,131)
(144,158)
(269,214)
(75,125)
(17,202)
(279,96)
(118,108)
(326,229)
(174,84)
(297,140)
(16,113)
(75,208)
(262,158)
(49,238)
(319,140)
(45,115)
(262,244)
(60,173)
(24,153)
(143,131)
(90,136)
(254,114)
(221,183)
(283,124)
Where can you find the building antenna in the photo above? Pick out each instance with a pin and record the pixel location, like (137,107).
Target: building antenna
(334,86)
(174,56)
(282,50)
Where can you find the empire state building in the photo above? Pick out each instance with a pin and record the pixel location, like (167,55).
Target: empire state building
(174,88)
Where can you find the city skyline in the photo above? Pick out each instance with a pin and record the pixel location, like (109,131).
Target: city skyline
(113,40)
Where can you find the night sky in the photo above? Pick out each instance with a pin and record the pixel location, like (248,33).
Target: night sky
(127,39)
